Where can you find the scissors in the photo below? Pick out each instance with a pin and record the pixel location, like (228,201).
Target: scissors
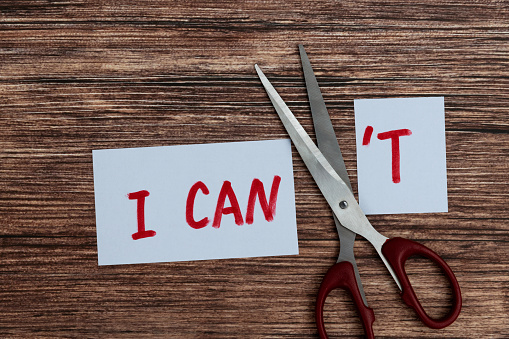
(326,165)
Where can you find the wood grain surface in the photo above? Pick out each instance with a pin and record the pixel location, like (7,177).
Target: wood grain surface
(82,75)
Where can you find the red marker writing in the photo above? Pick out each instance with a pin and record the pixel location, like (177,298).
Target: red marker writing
(257,191)
(269,209)
(367,136)
(190,206)
(227,191)
(140,197)
(394,136)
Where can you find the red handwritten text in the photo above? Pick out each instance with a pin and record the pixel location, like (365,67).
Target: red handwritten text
(367,136)
(257,190)
(190,206)
(394,136)
(140,197)
(227,191)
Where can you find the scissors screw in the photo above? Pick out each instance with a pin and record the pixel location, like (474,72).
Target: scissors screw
(343,204)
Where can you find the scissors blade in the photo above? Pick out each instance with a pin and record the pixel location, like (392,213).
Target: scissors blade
(333,188)
(325,135)
(328,145)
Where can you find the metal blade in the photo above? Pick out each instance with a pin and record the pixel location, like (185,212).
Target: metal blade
(325,135)
(333,188)
(328,145)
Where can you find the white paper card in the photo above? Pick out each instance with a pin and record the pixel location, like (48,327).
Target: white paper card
(401,159)
(195,202)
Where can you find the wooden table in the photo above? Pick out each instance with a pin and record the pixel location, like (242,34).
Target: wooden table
(83,75)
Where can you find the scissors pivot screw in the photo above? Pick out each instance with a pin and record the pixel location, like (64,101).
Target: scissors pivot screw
(343,204)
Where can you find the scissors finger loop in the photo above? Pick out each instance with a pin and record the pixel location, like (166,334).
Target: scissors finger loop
(342,275)
(397,251)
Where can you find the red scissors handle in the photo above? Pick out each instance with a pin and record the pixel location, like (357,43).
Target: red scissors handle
(397,251)
(341,275)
